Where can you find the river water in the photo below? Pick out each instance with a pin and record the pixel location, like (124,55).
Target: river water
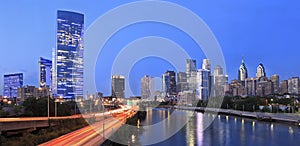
(179,128)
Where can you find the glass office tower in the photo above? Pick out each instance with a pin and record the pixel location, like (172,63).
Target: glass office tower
(45,73)
(68,55)
(11,84)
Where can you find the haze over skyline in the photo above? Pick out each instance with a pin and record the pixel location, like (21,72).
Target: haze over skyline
(260,31)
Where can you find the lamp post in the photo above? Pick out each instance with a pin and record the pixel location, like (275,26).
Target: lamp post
(91,96)
(49,103)
(103,121)
(56,101)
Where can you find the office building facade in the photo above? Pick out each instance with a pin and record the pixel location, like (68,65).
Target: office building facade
(118,86)
(275,81)
(147,85)
(169,83)
(45,73)
(182,84)
(68,56)
(203,79)
(11,84)
(219,82)
(293,85)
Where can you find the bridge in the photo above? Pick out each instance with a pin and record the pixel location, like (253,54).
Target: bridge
(106,124)
(94,134)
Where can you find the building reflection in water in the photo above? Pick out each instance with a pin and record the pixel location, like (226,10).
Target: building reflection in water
(224,130)
(200,130)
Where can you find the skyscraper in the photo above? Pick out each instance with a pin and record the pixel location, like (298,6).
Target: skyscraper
(250,85)
(220,81)
(45,73)
(284,87)
(206,64)
(118,86)
(275,81)
(203,80)
(293,85)
(147,91)
(190,66)
(68,55)
(260,71)
(242,73)
(169,83)
(11,84)
(191,74)
(182,84)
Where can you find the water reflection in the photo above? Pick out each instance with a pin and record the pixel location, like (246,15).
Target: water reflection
(225,130)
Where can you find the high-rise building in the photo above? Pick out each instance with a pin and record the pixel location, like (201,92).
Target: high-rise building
(260,71)
(32,91)
(191,74)
(284,87)
(190,66)
(264,87)
(11,84)
(147,84)
(250,85)
(118,86)
(275,81)
(220,81)
(203,80)
(68,55)
(242,73)
(45,73)
(238,88)
(169,83)
(293,85)
(206,64)
(182,84)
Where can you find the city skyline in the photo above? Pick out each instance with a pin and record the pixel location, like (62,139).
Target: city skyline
(232,36)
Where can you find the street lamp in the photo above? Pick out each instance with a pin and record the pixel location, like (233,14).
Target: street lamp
(103,121)
(49,103)
(91,96)
(56,101)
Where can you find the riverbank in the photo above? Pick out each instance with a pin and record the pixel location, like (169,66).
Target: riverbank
(270,117)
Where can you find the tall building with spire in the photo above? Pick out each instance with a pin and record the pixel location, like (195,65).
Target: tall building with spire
(260,71)
(242,73)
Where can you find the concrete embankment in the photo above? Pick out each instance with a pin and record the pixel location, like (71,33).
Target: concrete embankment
(271,117)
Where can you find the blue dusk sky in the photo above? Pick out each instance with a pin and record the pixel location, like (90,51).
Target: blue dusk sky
(265,32)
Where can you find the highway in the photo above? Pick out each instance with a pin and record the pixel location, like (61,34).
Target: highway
(93,134)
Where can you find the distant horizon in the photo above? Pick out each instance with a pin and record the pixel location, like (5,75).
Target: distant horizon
(260,32)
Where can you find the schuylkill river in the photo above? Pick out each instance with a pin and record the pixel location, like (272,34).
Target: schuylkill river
(224,130)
